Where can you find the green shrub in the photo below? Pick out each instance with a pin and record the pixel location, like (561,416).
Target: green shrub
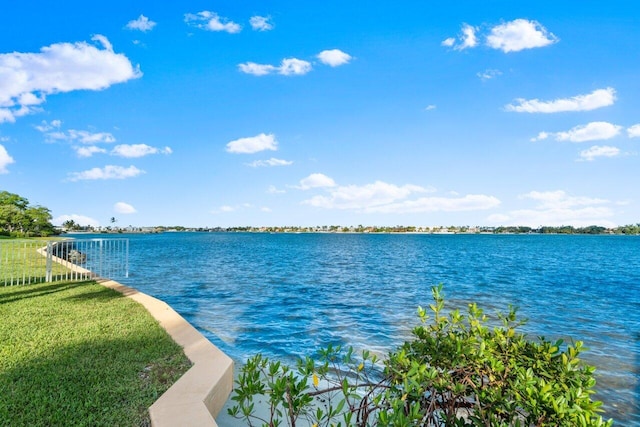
(458,370)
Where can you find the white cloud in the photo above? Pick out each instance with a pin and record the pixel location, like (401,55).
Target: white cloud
(294,66)
(137,150)
(210,21)
(124,208)
(90,137)
(81,220)
(465,40)
(468,37)
(334,57)
(556,208)
(53,133)
(27,78)
(470,202)
(5,160)
(634,131)
(316,180)
(271,162)
(256,69)
(253,144)
(430,107)
(597,99)
(518,35)
(265,209)
(448,42)
(273,190)
(541,136)
(599,151)
(143,24)
(229,208)
(382,197)
(261,23)
(560,199)
(108,172)
(46,127)
(593,131)
(88,151)
(288,67)
(489,74)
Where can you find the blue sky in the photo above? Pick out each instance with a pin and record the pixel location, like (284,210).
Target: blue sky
(225,113)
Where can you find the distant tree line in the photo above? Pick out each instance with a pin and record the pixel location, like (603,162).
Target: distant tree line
(631,229)
(18,218)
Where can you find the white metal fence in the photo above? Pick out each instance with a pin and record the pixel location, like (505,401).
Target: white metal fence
(29,261)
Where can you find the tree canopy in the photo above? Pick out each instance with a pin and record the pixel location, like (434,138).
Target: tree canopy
(19,218)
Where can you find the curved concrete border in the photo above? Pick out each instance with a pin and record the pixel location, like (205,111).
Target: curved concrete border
(197,397)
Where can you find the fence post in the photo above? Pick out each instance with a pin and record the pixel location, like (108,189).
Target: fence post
(49,272)
(126,259)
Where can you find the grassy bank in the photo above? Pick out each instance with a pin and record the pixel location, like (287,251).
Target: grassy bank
(80,354)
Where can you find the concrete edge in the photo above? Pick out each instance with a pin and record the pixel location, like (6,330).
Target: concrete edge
(199,395)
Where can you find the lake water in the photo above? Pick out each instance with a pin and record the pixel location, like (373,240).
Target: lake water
(286,295)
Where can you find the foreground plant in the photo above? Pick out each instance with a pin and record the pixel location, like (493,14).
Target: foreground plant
(457,371)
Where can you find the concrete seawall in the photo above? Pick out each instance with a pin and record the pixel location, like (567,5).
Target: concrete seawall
(197,397)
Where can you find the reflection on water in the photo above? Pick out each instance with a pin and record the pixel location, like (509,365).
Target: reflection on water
(287,295)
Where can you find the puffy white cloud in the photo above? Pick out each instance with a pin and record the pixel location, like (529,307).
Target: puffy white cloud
(593,131)
(467,39)
(271,162)
(5,160)
(210,21)
(316,180)
(27,78)
(448,42)
(89,151)
(253,144)
(46,127)
(257,69)
(90,137)
(518,35)
(108,172)
(124,208)
(430,107)
(597,99)
(137,150)
(334,57)
(489,74)
(294,66)
(143,24)
(634,131)
(261,23)
(81,220)
(556,208)
(599,151)
(288,67)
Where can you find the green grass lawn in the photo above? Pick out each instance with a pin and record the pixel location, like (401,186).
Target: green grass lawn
(80,354)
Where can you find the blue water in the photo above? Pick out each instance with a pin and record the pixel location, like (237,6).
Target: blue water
(286,295)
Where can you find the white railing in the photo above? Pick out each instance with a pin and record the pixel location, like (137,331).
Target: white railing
(25,262)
